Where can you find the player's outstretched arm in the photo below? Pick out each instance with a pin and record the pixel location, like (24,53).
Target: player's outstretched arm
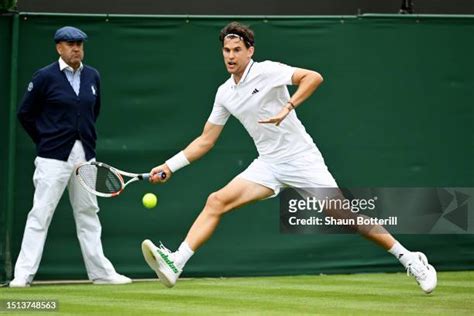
(195,150)
(204,143)
(307,82)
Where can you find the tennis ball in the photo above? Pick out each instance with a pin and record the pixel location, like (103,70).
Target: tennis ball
(149,200)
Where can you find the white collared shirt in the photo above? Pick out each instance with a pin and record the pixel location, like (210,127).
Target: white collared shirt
(74,77)
(261,94)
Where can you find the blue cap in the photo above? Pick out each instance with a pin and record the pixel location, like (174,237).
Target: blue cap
(69,34)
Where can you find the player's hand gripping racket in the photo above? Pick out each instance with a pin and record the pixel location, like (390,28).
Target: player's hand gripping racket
(106,181)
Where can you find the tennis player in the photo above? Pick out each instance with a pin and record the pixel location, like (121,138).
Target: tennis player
(256,94)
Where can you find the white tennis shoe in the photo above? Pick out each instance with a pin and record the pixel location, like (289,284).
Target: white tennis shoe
(113,280)
(424,273)
(161,260)
(18,282)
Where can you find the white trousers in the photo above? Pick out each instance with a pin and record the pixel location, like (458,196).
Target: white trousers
(50,179)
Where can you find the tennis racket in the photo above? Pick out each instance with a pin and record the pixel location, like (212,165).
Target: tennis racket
(106,181)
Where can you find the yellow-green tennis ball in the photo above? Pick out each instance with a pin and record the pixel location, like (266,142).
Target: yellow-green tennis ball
(149,200)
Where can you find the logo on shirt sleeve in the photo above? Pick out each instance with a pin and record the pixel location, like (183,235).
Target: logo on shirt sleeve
(93,89)
(30,86)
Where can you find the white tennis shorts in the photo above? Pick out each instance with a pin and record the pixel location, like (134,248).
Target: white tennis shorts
(307,171)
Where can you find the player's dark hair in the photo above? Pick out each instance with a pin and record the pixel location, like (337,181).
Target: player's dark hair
(235,28)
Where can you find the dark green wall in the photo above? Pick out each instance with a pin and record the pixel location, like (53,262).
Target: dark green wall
(395,110)
(5,55)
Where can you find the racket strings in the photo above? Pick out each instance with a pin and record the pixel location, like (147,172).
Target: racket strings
(100,179)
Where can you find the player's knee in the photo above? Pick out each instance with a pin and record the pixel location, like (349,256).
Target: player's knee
(215,204)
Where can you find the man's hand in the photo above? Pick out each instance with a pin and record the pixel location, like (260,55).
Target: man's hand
(277,119)
(155,174)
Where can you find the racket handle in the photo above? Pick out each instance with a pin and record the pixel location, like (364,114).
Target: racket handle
(146,176)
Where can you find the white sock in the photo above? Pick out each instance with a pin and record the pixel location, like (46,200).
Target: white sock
(182,255)
(401,253)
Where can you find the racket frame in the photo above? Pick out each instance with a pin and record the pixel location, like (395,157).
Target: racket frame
(119,173)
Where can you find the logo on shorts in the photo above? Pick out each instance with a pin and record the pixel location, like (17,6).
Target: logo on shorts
(255,91)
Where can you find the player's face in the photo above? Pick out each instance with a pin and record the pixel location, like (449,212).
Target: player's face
(71,52)
(236,55)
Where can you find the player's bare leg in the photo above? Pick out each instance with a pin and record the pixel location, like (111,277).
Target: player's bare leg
(168,265)
(235,194)
(415,263)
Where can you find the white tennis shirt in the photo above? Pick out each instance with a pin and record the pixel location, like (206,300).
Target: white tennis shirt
(261,94)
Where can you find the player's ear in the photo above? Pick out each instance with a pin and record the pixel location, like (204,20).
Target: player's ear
(251,50)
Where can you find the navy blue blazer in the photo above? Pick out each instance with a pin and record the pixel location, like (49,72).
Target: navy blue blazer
(54,116)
